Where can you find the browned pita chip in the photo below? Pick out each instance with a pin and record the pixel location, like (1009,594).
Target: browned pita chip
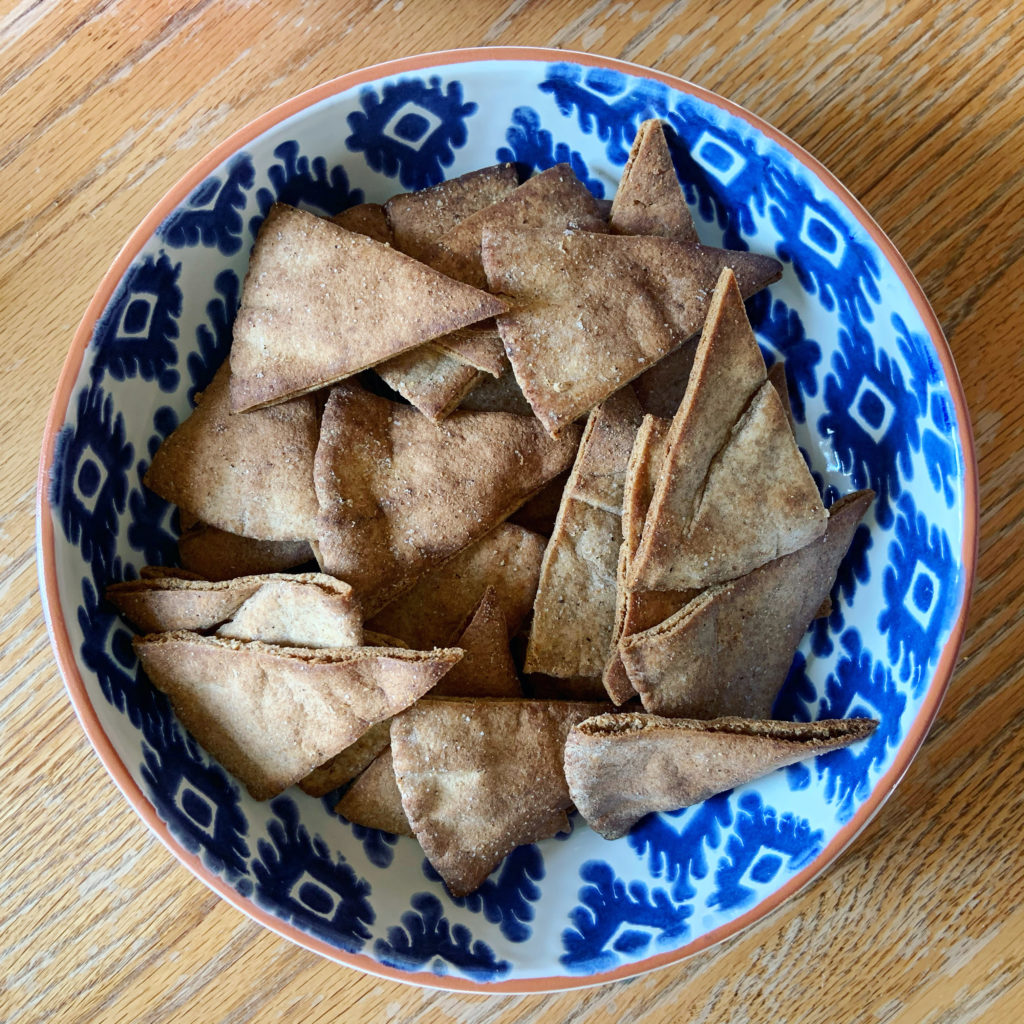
(400,495)
(419,219)
(321,303)
(777,379)
(486,669)
(574,611)
(218,555)
(159,572)
(735,491)
(478,346)
(373,800)
(660,389)
(431,378)
(270,714)
(508,559)
(727,651)
(470,794)
(366,219)
(593,311)
(553,200)
(348,763)
(249,475)
(649,199)
(621,767)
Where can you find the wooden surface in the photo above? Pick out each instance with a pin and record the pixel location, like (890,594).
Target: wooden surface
(918,108)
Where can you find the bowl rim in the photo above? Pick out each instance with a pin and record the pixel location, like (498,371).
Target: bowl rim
(46,559)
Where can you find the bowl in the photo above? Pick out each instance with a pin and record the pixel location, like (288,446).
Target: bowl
(877,403)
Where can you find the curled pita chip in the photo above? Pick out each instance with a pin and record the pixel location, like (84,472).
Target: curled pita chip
(400,495)
(434,608)
(350,762)
(249,475)
(431,378)
(621,767)
(366,219)
(468,791)
(271,714)
(574,611)
(593,311)
(320,303)
(735,491)
(218,555)
(649,199)
(374,801)
(727,651)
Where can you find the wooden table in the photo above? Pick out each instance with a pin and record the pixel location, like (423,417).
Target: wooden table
(917,107)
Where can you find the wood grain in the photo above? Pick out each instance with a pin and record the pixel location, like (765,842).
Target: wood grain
(918,108)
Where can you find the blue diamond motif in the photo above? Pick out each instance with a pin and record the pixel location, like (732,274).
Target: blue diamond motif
(920,596)
(717,158)
(411,124)
(872,411)
(819,234)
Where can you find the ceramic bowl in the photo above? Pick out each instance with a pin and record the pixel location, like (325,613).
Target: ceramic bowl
(877,403)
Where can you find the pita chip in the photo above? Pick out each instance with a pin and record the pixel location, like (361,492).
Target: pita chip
(541,511)
(660,389)
(400,495)
(366,219)
(574,611)
(431,378)
(348,763)
(249,475)
(621,767)
(727,651)
(321,303)
(735,491)
(649,199)
(478,346)
(470,795)
(433,610)
(374,801)
(218,555)
(486,669)
(593,311)
(501,394)
(271,714)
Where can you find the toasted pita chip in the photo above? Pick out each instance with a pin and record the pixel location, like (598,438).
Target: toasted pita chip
(366,219)
(727,651)
(649,199)
(593,311)
(400,495)
(468,791)
(159,572)
(374,801)
(621,767)
(660,389)
(215,554)
(553,200)
(574,611)
(350,762)
(249,475)
(507,559)
(502,394)
(271,714)
(302,610)
(320,303)
(431,379)
(777,379)
(419,219)
(486,669)
(479,346)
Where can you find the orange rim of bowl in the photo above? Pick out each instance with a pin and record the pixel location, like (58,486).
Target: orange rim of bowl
(47,562)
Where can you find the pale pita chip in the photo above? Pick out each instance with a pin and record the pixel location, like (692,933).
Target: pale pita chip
(320,303)
(431,378)
(271,714)
(366,219)
(468,791)
(649,199)
(247,474)
(350,762)
(593,311)
(218,555)
(507,559)
(400,495)
(574,611)
(727,651)
(621,767)
(374,801)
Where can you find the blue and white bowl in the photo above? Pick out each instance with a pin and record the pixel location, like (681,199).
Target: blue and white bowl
(877,403)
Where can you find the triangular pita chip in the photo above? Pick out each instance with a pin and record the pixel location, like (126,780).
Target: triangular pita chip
(431,378)
(727,651)
(469,790)
(735,491)
(433,609)
(660,389)
(593,311)
(321,303)
(479,346)
(574,611)
(270,714)
(348,763)
(400,495)
(218,555)
(553,200)
(486,669)
(366,219)
(374,801)
(649,199)
(621,767)
(250,475)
